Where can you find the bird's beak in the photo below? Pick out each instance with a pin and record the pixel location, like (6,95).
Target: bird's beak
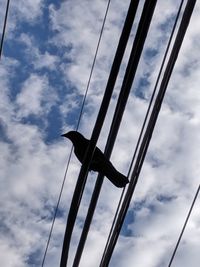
(64,135)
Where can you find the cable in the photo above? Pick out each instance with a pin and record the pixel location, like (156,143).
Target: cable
(4,27)
(77,126)
(95,134)
(122,100)
(145,121)
(111,138)
(140,159)
(143,27)
(147,137)
(88,156)
(184,226)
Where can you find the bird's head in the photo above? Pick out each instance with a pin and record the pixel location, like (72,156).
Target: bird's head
(73,135)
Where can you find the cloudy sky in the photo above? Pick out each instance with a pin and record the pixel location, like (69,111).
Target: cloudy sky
(48,52)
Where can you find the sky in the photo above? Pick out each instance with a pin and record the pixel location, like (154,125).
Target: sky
(47,57)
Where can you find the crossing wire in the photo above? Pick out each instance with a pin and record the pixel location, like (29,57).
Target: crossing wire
(4,27)
(147,137)
(184,226)
(144,123)
(77,126)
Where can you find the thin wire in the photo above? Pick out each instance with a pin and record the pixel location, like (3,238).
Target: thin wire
(156,84)
(4,28)
(78,124)
(112,226)
(95,56)
(145,120)
(56,209)
(184,226)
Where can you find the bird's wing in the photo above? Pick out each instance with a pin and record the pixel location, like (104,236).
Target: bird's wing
(98,160)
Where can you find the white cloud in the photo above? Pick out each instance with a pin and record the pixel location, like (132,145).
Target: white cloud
(2,13)
(46,60)
(32,171)
(38,59)
(10,256)
(23,11)
(80,36)
(27,10)
(35,97)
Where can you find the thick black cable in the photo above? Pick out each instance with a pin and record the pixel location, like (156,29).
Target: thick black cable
(147,137)
(110,142)
(156,84)
(4,27)
(144,123)
(77,126)
(184,226)
(145,145)
(122,100)
(97,128)
(143,27)
(84,169)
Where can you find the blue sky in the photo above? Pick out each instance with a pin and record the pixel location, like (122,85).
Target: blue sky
(44,70)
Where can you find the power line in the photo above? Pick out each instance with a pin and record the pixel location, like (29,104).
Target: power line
(84,169)
(144,24)
(88,156)
(148,134)
(112,135)
(144,123)
(111,138)
(184,226)
(76,199)
(77,126)
(4,27)
(122,100)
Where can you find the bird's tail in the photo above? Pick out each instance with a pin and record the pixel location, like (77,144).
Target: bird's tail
(117,178)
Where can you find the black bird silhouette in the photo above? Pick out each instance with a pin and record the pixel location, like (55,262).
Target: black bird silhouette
(99,162)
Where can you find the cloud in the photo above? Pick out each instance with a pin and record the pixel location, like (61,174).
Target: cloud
(27,10)
(53,72)
(79,36)
(38,59)
(34,93)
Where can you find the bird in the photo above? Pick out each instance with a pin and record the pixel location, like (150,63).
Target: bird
(99,161)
